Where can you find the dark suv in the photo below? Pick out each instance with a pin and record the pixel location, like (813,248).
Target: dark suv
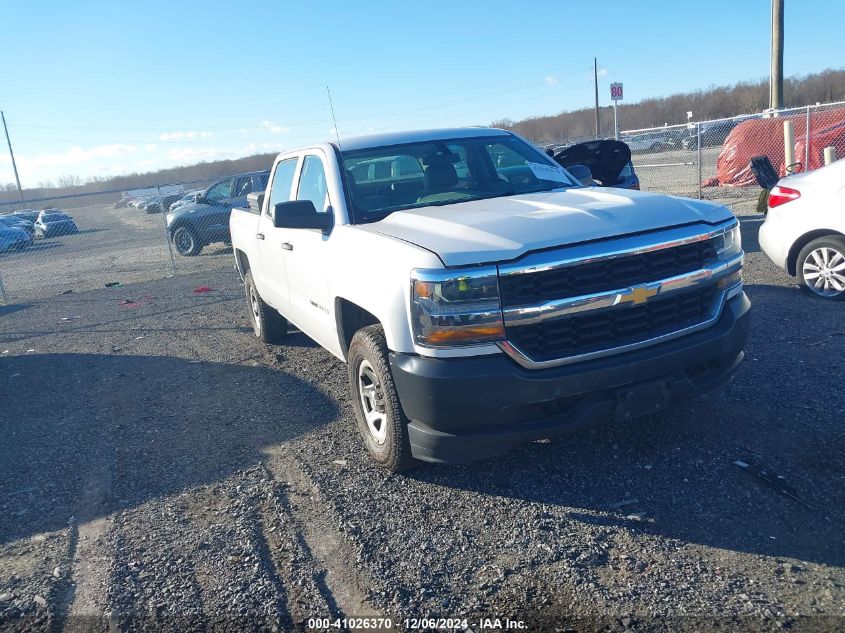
(195,225)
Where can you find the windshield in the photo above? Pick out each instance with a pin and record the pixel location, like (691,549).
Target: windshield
(381,180)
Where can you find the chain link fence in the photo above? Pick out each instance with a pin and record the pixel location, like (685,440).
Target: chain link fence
(58,244)
(55,244)
(711,159)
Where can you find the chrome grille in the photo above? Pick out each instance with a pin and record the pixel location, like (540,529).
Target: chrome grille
(585,333)
(604,274)
(596,299)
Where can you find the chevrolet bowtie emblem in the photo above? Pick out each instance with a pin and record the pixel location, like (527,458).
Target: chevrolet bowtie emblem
(638,295)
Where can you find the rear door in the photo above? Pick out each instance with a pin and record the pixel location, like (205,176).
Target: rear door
(214,222)
(272,280)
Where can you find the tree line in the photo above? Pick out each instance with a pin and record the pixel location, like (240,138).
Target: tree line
(717,102)
(713,103)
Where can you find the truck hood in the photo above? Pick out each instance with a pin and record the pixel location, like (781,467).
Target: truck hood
(502,229)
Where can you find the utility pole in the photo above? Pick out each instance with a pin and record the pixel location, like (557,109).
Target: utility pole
(596,81)
(12,154)
(776,77)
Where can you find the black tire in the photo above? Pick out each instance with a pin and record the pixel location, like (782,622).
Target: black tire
(807,264)
(267,324)
(394,451)
(186,241)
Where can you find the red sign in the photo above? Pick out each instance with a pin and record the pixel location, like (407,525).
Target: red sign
(616,92)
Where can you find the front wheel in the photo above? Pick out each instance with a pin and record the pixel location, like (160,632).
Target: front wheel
(380,420)
(186,242)
(267,324)
(821,266)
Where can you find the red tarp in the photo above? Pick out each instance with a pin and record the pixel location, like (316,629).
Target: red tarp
(757,137)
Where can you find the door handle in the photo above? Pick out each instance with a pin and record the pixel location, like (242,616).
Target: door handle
(287,246)
(259,236)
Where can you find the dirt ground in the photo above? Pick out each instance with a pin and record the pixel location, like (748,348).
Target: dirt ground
(160,468)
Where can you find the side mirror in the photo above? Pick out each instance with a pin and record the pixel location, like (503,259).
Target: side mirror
(300,214)
(582,174)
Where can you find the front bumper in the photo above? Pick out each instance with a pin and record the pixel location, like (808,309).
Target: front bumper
(463,409)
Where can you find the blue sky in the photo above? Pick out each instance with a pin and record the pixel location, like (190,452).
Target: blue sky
(97,88)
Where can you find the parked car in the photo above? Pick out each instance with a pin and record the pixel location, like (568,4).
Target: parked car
(713,134)
(608,163)
(122,203)
(139,202)
(194,225)
(804,230)
(54,223)
(17,222)
(189,197)
(649,142)
(30,215)
(476,313)
(13,238)
(154,206)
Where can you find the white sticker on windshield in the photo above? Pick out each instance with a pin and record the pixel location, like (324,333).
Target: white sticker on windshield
(548,172)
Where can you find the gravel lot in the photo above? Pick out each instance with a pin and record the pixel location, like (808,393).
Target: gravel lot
(161,469)
(125,245)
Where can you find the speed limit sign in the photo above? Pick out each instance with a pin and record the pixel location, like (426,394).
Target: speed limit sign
(616,91)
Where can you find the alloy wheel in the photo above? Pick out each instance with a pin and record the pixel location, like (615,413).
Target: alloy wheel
(824,271)
(184,241)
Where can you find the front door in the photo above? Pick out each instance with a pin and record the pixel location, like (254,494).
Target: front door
(307,258)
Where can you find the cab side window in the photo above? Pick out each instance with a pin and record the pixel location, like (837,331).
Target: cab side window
(282,183)
(220,191)
(312,183)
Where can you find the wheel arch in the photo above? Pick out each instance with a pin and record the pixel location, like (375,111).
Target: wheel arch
(801,242)
(350,318)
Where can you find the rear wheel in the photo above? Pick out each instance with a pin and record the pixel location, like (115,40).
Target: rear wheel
(267,324)
(379,416)
(821,266)
(186,242)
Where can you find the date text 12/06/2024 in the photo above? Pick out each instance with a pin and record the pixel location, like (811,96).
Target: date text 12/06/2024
(417,624)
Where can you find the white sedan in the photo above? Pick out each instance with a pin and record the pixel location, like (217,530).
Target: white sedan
(804,231)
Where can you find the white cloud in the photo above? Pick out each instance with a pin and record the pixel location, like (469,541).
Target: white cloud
(551,81)
(602,72)
(274,128)
(75,155)
(151,147)
(208,153)
(177,136)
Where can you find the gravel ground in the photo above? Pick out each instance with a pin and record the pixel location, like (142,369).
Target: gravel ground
(124,245)
(162,469)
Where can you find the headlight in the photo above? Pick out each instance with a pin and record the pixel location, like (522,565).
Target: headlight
(449,308)
(729,243)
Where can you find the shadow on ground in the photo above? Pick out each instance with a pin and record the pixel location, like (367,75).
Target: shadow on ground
(130,428)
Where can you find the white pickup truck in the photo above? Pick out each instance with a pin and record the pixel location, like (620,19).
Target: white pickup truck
(481,297)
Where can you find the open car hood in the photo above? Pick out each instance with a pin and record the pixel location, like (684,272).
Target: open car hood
(606,159)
